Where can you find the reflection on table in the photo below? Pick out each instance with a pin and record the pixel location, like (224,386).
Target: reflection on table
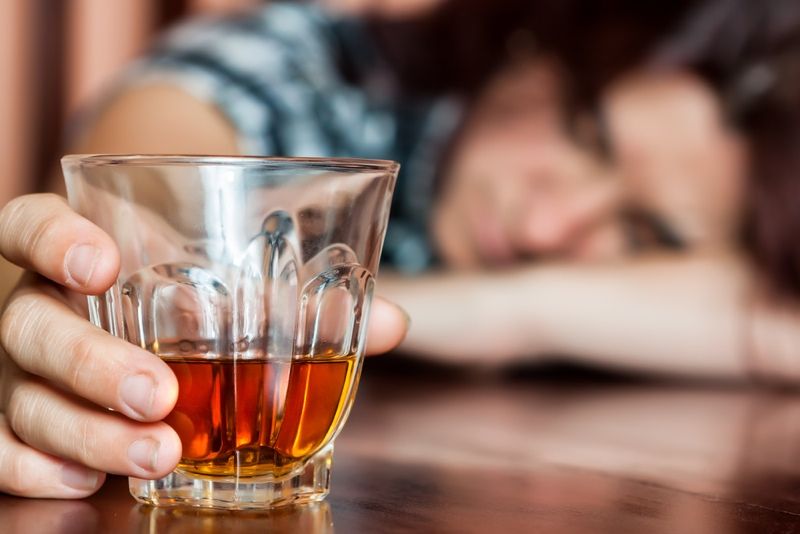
(439,450)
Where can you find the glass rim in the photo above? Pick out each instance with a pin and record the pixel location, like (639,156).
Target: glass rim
(350,164)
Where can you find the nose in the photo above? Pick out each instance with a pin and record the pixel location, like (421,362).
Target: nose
(543,228)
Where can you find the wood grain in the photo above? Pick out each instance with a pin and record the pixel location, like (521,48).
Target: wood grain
(431,449)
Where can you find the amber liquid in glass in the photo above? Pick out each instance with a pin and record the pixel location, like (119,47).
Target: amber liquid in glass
(257,417)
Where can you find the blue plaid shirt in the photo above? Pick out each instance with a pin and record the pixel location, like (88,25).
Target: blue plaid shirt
(296,81)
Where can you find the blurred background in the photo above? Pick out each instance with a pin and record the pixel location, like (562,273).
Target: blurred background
(650,148)
(605,191)
(57,55)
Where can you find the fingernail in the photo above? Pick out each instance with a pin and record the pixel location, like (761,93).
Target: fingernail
(78,477)
(138,393)
(81,261)
(144,453)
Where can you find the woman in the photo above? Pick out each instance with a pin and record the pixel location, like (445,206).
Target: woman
(678,313)
(703,145)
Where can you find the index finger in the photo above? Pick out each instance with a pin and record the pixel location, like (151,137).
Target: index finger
(41,233)
(388,325)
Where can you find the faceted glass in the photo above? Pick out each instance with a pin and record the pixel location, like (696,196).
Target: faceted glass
(252,279)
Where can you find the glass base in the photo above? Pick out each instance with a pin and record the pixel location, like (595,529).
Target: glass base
(310,483)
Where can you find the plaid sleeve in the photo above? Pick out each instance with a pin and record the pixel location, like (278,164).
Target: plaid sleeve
(275,75)
(278,75)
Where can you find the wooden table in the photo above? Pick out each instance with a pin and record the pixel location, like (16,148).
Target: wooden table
(430,449)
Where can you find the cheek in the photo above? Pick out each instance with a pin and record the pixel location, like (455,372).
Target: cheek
(493,157)
(478,152)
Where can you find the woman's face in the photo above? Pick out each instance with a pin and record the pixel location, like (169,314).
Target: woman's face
(520,185)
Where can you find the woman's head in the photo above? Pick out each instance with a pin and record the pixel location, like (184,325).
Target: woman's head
(457,45)
(713,119)
(680,162)
(750,52)
(520,180)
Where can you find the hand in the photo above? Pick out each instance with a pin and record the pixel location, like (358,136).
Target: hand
(679,158)
(60,375)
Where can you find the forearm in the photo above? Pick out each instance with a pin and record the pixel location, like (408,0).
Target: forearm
(681,316)
(460,317)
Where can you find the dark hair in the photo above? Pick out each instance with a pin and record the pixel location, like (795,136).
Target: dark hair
(773,217)
(750,51)
(460,43)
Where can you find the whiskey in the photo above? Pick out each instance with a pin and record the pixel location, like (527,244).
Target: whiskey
(257,417)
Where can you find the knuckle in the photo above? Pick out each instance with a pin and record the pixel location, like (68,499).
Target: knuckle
(12,470)
(21,229)
(22,482)
(35,419)
(80,363)
(11,213)
(43,233)
(16,476)
(24,403)
(85,443)
(18,320)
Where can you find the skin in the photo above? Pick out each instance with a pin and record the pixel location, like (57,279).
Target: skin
(697,314)
(59,374)
(519,186)
(670,315)
(700,313)
(677,157)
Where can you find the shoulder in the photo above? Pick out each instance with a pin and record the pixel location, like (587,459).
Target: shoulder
(274,73)
(260,45)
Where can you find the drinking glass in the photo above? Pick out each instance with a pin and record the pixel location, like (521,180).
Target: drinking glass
(252,279)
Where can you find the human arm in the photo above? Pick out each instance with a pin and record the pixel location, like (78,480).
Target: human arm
(59,374)
(678,315)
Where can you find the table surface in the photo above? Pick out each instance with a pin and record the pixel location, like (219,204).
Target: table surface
(431,449)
